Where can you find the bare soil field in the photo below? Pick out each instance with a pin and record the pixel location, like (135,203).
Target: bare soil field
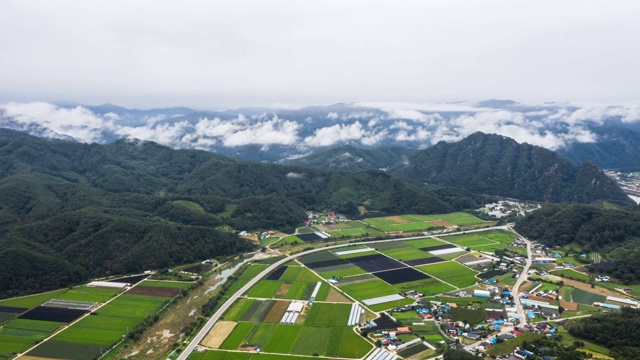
(398,219)
(154,291)
(587,287)
(276,312)
(218,334)
(283,289)
(335,296)
(567,305)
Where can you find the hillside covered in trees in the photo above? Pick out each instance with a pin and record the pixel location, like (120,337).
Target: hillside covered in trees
(618,331)
(71,211)
(497,165)
(613,232)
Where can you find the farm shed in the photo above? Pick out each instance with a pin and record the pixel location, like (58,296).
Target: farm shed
(106,284)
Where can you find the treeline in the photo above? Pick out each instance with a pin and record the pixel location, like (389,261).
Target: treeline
(613,232)
(618,331)
(70,211)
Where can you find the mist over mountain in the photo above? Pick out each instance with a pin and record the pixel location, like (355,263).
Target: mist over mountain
(275,134)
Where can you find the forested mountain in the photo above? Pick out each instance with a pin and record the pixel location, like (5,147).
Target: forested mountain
(351,158)
(618,331)
(70,211)
(616,148)
(497,165)
(614,233)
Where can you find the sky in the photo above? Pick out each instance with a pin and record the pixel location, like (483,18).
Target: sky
(215,54)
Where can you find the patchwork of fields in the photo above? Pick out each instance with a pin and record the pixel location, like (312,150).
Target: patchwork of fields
(34,319)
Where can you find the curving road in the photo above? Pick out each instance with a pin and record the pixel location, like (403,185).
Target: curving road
(214,318)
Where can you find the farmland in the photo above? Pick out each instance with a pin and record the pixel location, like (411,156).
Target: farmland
(323,331)
(451,272)
(483,241)
(421,222)
(94,334)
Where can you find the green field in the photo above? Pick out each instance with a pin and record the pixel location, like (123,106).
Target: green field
(572,274)
(473,317)
(328,315)
(428,287)
(340,271)
(353,229)
(452,272)
(32,301)
(34,325)
(283,339)
(584,297)
(90,294)
(484,241)
(265,289)
(238,309)
(420,243)
(369,289)
(421,222)
(405,254)
(234,340)
(167,284)
(223,355)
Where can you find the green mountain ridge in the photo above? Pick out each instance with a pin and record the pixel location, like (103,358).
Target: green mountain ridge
(72,211)
(351,158)
(496,165)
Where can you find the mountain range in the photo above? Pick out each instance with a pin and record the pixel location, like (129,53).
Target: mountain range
(70,211)
(606,135)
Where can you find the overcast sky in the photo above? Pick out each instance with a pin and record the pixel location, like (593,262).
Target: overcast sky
(214,54)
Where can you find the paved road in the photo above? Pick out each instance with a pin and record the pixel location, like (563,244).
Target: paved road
(215,317)
(516,295)
(523,276)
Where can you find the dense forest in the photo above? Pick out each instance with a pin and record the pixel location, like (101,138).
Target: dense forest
(71,211)
(617,148)
(618,331)
(614,232)
(351,158)
(496,165)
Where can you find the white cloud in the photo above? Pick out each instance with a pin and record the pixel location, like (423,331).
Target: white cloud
(335,134)
(78,123)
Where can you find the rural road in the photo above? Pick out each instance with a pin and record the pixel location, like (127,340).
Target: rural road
(521,278)
(216,316)
(515,293)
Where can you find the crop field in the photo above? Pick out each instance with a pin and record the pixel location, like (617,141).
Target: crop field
(471,316)
(571,274)
(584,297)
(452,273)
(375,262)
(67,350)
(265,289)
(301,340)
(369,289)
(428,287)
(238,309)
(32,301)
(422,222)
(430,332)
(37,325)
(420,243)
(91,294)
(340,271)
(167,284)
(224,355)
(353,228)
(283,339)
(407,253)
(328,315)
